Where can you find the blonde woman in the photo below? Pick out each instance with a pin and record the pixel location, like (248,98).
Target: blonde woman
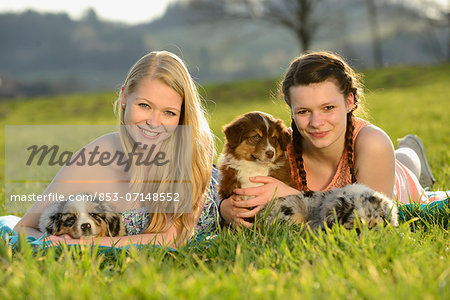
(162,120)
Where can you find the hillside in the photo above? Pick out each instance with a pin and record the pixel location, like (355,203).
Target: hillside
(51,53)
(400,100)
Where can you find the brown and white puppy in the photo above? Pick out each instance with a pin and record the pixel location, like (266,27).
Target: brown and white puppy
(336,206)
(255,145)
(82,219)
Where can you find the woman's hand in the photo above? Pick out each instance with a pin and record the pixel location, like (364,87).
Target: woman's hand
(166,238)
(230,213)
(271,188)
(234,209)
(56,239)
(67,239)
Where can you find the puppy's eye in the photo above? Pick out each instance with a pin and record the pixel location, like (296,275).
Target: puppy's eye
(256,137)
(95,216)
(274,140)
(69,221)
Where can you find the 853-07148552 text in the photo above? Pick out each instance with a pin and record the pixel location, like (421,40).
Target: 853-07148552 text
(155,197)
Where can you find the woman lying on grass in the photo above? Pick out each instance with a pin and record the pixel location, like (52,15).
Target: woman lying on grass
(332,148)
(162,120)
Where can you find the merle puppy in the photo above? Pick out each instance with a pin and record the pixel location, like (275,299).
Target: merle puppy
(82,219)
(338,206)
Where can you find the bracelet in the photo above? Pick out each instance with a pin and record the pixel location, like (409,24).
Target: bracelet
(222,220)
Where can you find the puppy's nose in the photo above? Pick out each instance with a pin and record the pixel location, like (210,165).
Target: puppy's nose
(85,226)
(269,154)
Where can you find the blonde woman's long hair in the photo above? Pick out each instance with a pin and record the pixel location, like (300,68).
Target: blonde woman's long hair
(170,69)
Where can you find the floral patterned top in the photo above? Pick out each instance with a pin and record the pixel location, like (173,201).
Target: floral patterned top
(137,220)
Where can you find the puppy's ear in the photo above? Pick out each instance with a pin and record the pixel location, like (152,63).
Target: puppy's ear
(285,137)
(113,224)
(54,223)
(233,133)
(390,211)
(330,218)
(339,212)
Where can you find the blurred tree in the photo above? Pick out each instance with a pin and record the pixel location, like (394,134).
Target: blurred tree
(437,17)
(434,16)
(376,41)
(298,16)
(90,17)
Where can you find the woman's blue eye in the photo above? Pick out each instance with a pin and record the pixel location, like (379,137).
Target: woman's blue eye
(170,113)
(145,105)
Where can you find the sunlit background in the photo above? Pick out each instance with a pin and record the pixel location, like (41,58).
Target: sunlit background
(54,47)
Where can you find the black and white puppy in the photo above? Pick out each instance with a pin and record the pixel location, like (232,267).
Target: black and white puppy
(336,206)
(82,219)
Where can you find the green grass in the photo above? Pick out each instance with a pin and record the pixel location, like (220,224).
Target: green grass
(409,262)
(380,264)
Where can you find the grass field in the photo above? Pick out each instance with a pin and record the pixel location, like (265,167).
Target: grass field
(409,262)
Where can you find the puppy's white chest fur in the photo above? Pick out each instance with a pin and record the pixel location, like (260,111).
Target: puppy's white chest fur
(246,169)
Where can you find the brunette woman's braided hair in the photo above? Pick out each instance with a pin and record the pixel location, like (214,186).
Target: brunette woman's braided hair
(297,143)
(318,67)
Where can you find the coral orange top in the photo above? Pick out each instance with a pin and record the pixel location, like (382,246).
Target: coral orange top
(406,188)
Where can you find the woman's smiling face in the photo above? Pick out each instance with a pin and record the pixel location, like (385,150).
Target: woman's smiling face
(320,113)
(153,110)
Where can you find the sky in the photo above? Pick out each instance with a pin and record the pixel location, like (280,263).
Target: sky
(125,11)
(128,11)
